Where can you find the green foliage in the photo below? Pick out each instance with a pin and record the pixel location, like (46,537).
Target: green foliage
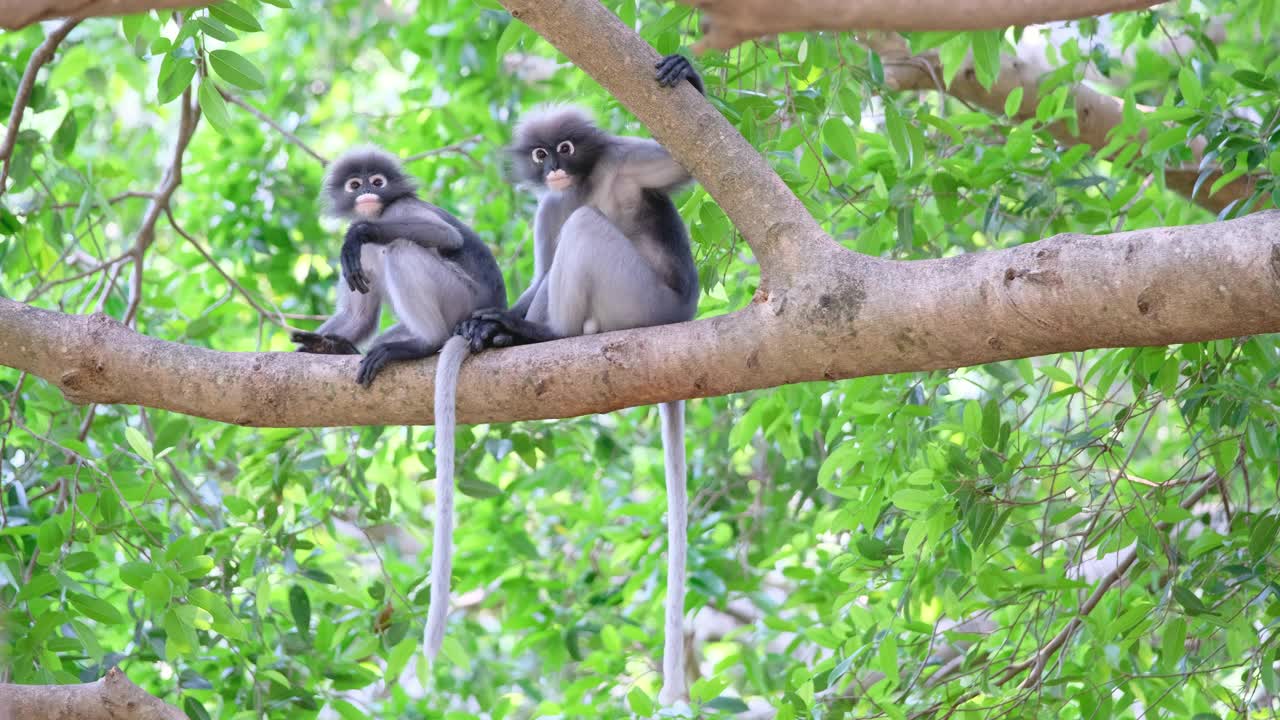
(839,531)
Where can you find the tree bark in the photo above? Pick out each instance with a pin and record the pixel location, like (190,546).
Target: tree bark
(851,316)
(114,697)
(1096,114)
(16,14)
(727,23)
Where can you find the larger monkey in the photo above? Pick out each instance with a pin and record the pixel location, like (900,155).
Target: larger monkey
(610,253)
(435,272)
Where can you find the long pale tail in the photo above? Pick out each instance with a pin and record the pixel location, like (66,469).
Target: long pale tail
(673,675)
(446,411)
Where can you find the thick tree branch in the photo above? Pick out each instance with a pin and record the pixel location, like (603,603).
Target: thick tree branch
(781,233)
(15,14)
(1065,293)
(727,23)
(42,55)
(1096,114)
(114,697)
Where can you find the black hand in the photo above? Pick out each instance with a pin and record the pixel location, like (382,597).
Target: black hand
(674,68)
(352,271)
(327,344)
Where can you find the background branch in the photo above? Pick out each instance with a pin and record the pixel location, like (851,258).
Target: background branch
(727,23)
(17,14)
(42,55)
(1097,115)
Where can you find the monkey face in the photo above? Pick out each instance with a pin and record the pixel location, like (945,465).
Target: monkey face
(557,149)
(364,182)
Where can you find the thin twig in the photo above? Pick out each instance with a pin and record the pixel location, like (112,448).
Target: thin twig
(274,125)
(1040,658)
(190,115)
(42,55)
(130,195)
(274,316)
(458,147)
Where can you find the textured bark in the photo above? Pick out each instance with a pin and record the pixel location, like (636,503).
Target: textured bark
(1096,114)
(15,14)
(114,697)
(850,316)
(730,22)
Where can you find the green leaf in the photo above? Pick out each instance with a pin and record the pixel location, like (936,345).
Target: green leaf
(1189,601)
(95,609)
(236,70)
(913,500)
(216,29)
(175,76)
(1262,535)
(300,607)
(80,561)
(215,108)
(478,489)
(50,536)
(1255,80)
(9,223)
(990,423)
(896,129)
(728,704)
(707,688)
(235,16)
(510,36)
(180,631)
(1013,102)
(194,709)
(986,56)
(135,573)
(39,586)
(140,444)
(279,3)
(64,138)
(839,138)
(1189,84)
(639,702)
(1173,645)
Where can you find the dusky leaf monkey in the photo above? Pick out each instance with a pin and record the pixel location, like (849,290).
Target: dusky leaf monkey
(435,272)
(610,253)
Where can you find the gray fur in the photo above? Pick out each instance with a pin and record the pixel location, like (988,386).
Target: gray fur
(435,272)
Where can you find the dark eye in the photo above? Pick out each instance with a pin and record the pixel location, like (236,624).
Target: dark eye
(565,148)
(353,184)
(377,181)
(539,154)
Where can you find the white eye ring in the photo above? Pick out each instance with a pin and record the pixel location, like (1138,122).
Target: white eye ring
(378,181)
(565,148)
(353,184)
(539,154)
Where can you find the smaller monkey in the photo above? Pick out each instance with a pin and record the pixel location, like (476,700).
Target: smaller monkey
(435,272)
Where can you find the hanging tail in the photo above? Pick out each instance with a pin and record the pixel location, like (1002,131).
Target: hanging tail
(673,675)
(446,411)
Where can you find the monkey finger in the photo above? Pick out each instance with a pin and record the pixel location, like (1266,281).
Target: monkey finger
(502,340)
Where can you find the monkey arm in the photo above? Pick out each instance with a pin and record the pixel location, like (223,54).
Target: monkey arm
(428,232)
(649,166)
(424,229)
